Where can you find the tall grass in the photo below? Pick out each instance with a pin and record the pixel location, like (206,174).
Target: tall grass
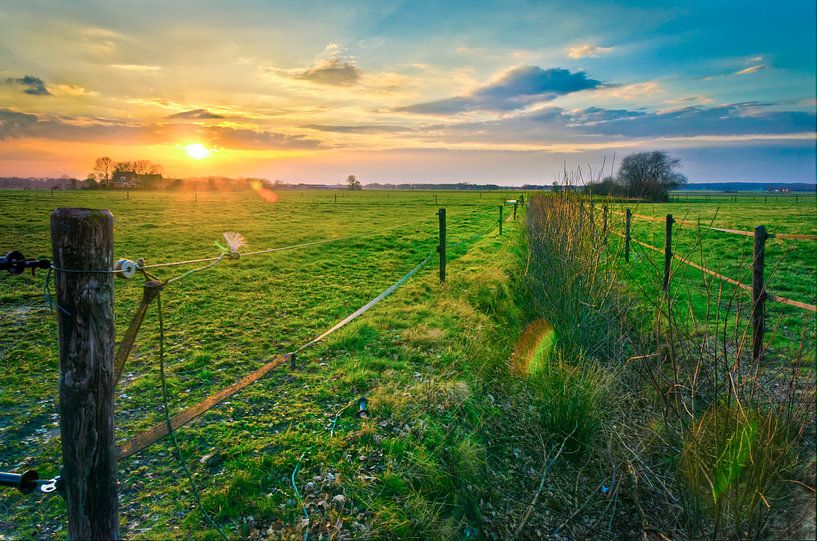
(704,432)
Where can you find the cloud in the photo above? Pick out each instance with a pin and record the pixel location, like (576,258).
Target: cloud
(633,91)
(333,71)
(748,118)
(16,125)
(195,114)
(31,85)
(512,90)
(587,49)
(751,69)
(357,129)
(135,67)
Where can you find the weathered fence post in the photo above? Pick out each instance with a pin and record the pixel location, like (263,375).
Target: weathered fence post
(604,221)
(500,220)
(758,293)
(82,240)
(668,254)
(628,216)
(336,198)
(441,247)
(514,211)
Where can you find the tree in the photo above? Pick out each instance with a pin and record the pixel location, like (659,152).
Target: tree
(103,167)
(353,182)
(650,175)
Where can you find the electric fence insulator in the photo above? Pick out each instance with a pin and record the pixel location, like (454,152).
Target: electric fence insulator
(125,268)
(15,263)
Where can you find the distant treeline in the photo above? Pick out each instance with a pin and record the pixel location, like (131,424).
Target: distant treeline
(226,183)
(750,186)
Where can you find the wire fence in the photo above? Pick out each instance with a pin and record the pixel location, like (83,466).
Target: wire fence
(686,261)
(152,291)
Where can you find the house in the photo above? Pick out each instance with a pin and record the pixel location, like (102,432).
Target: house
(123,179)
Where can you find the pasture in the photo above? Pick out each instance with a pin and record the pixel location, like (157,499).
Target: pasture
(791,265)
(452,436)
(219,324)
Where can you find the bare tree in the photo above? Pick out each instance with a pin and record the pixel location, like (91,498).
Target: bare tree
(103,168)
(353,182)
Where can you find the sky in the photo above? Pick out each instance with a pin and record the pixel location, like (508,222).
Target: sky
(395,91)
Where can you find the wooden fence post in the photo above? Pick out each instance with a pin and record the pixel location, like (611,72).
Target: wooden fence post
(758,293)
(604,221)
(82,240)
(514,211)
(441,247)
(628,216)
(500,220)
(668,253)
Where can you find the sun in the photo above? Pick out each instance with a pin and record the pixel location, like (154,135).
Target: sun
(197,151)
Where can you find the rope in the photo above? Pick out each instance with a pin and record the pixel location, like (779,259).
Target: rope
(769,296)
(193,488)
(784,236)
(365,308)
(147,438)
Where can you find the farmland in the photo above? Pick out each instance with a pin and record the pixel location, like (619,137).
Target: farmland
(791,264)
(454,446)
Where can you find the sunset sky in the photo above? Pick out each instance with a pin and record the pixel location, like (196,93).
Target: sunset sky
(503,92)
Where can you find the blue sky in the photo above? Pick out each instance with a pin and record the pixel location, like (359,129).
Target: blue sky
(504,92)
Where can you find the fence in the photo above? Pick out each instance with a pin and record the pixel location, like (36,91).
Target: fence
(83,271)
(758,286)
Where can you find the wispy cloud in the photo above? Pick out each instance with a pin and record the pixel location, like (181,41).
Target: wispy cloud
(514,89)
(587,49)
(135,67)
(751,69)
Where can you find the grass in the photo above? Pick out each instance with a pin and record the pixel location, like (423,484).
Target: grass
(406,355)
(694,427)
(791,265)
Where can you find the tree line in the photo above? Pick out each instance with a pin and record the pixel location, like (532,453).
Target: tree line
(105,169)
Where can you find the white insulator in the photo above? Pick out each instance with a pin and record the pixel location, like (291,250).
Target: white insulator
(125,268)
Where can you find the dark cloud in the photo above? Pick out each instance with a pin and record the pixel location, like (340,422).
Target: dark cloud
(334,71)
(734,119)
(14,125)
(31,85)
(516,89)
(244,138)
(195,114)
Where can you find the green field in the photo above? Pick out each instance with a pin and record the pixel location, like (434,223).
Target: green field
(454,448)
(791,265)
(220,324)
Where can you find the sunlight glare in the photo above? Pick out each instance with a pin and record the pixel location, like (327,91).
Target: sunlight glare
(197,151)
